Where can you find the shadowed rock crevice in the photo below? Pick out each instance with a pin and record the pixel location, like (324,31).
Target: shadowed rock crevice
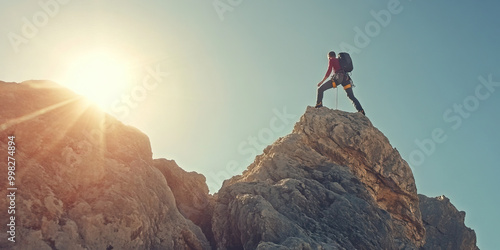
(191,195)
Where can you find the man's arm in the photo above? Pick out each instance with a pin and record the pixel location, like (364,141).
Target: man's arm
(328,72)
(319,84)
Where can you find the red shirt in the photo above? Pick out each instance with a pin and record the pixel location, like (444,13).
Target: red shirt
(332,64)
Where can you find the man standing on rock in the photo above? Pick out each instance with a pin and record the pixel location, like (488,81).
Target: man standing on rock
(339,78)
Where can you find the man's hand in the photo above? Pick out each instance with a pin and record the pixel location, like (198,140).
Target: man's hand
(319,84)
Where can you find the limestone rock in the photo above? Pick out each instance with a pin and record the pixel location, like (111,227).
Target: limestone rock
(351,140)
(85,180)
(445,225)
(335,182)
(191,194)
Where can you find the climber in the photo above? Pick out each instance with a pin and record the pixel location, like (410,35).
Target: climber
(339,78)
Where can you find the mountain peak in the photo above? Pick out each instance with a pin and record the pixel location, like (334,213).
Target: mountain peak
(330,156)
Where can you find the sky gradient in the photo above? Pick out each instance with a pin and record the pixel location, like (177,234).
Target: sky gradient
(214,82)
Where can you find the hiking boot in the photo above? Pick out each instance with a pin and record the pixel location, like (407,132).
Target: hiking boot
(362,112)
(319,105)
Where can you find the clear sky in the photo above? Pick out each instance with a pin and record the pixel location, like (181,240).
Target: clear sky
(213,82)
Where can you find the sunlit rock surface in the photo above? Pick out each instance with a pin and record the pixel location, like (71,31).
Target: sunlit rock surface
(85,180)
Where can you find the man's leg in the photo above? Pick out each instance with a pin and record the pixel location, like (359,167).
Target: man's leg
(354,100)
(319,99)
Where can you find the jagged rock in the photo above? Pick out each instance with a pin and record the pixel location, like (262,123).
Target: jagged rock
(352,140)
(85,180)
(445,225)
(191,194)
(334,183)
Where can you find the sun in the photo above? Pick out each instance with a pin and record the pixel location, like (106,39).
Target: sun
(100,76)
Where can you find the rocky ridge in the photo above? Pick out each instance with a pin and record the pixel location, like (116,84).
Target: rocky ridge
(90,182)
(85,180)
(445,225)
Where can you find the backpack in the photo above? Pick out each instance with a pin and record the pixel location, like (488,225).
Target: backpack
(345,62)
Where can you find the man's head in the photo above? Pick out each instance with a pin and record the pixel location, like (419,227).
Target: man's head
(331,54)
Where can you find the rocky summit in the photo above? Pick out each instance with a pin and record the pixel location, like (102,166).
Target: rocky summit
(84,180)
(335,182)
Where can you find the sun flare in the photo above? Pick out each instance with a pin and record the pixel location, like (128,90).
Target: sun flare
(98,76)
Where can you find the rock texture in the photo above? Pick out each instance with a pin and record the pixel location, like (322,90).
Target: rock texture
(85,180)
(445,225)
(334,182)
(191,194)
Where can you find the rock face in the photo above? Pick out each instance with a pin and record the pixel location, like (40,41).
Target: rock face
(85,181)
(191,195)
(335,182)
(445,225)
